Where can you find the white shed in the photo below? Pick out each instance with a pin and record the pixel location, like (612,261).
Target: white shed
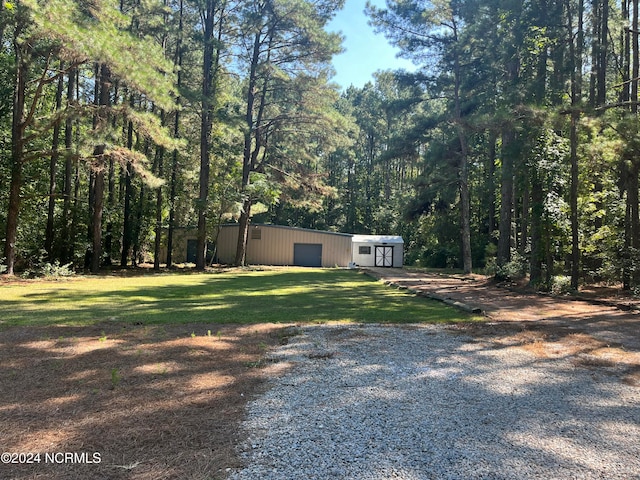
(377,250)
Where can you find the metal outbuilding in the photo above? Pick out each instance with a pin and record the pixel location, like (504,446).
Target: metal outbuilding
(377,250)
(281,245)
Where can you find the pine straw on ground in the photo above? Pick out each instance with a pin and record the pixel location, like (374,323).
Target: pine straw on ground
(153,401)
(546,341)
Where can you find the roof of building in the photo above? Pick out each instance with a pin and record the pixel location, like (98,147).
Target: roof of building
(382,239)
(268,225)
(377,239)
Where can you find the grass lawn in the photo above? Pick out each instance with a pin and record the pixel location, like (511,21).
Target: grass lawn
(239,297)
(152,373)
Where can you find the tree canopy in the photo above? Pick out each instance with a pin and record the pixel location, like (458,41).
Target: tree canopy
(512,148)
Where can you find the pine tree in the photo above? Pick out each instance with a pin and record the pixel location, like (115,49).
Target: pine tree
(78,33)
(287,42)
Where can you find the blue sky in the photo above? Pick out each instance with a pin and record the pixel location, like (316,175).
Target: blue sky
(366,52)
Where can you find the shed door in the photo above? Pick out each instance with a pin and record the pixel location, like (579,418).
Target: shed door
(384,256)
(192,251)
(307,254)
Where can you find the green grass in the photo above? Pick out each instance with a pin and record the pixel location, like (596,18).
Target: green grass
(280,296)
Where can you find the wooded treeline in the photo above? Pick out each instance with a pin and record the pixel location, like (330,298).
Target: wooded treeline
(124,120)
(514,146)
(528,135)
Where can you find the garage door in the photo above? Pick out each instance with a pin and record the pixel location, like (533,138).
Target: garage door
(307,254)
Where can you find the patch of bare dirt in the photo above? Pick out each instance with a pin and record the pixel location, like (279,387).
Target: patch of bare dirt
(151,401)
(599,328)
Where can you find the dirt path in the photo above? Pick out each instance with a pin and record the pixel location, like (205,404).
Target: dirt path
(609,320)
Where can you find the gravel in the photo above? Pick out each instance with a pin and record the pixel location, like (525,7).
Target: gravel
(425,402)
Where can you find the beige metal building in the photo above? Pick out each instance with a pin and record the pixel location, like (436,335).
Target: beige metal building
(279,245)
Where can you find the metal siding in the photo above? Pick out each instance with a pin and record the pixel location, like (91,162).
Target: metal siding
(276,246)
(227,242)
(269,250)
(338,251)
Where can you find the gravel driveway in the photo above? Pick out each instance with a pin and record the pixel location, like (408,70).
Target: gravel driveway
(426,402)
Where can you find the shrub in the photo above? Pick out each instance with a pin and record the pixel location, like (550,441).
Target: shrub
(516,268)
(561,284)
(56,270)
(50,270)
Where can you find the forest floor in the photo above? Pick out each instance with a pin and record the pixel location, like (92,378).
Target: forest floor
(130,402)
(598,327)
(166,401)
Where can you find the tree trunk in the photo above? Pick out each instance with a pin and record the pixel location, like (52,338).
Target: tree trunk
(506,197)
(98,208)
(573,203)
(158,228)
(111,202)
(595,50)
(626,253)
(250,126)
(625,96)
(537,250)
(634,212)
(549,253)
(576,50)
(524,219)
(17,154)
(176,134)
(66,236)
(465,215)
(243,233)
(136,253)
(632,191)
(208,76)
(127,226)
(601,88)
(625,48)
(53,167)
(99,168)
(129,192)
(463,168)
(111,197)
(491,184)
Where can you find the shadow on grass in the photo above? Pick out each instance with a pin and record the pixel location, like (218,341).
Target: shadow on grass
(255,297)
(147,372)
(152,401)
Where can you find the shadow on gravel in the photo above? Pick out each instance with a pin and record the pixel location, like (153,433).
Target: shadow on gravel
(600,319)
(425,403)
